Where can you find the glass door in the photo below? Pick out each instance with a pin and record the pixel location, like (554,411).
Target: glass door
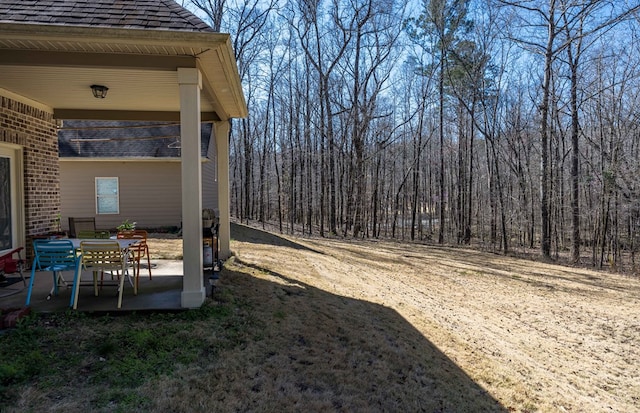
(11,208)
(6,201)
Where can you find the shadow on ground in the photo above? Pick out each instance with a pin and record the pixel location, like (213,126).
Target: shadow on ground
(310,350)
(256,236)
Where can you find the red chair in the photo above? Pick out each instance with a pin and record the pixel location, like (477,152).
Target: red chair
(10,264)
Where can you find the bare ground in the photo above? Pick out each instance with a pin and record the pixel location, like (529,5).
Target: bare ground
(389,326)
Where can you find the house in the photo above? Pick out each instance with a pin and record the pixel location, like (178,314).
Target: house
(138,163)
(155,60)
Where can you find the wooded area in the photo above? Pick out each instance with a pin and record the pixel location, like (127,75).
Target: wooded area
(511,124)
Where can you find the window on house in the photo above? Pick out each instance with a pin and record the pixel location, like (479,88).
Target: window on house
(107,196)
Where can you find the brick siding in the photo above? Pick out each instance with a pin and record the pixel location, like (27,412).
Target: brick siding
(35,130)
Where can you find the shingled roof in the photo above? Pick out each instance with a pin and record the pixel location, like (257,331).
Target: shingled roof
(117,139)
(130,14)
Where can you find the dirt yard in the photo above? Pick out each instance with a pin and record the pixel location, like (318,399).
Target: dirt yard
(387,326)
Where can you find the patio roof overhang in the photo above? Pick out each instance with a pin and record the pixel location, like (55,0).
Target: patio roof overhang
(55,65)
(151,75)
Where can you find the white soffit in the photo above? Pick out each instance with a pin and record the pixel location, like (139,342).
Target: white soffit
(56,65)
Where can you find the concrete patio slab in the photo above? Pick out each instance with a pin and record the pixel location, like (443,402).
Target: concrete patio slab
(162,292)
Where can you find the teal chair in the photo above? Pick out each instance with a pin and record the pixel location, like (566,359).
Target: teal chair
(55,255)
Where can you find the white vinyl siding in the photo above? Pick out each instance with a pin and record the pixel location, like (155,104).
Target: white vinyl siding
(149,192)
(210,178)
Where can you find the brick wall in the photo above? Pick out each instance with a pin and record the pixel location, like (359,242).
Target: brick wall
(35,130)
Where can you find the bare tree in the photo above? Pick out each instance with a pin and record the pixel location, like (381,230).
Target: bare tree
(443,20)
(486,133)
(582,21)
(213,9)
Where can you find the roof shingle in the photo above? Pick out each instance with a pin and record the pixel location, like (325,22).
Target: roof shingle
(117,139)
(131,14)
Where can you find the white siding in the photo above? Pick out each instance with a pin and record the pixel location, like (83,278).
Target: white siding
(209,178)
(150,192)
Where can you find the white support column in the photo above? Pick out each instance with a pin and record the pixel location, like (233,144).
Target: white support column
(222,151)
(193,290)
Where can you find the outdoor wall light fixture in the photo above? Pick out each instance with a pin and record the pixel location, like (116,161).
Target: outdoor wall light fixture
(99,91)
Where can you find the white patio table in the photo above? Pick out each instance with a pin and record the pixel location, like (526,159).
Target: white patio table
(125,245)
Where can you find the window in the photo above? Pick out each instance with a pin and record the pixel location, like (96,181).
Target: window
(107,196)
(11,223)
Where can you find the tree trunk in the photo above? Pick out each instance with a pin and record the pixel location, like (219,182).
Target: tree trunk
(441,138)
(544,132)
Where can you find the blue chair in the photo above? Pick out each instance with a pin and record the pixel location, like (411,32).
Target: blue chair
(54,255)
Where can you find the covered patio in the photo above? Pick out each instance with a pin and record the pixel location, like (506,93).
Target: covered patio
(162,293)
(159,63)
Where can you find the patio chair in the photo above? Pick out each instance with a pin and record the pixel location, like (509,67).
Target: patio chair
(56,256)
(11,264)
(76,225)
(102,256)
(138,251)
(93,234)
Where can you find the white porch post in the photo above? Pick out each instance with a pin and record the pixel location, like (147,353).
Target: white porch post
(193,290)
(222,150)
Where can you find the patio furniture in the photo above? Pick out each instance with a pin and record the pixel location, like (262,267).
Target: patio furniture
(103,256)
(11,264)
(139,250)
(56,256)
(93,234)
(77,224)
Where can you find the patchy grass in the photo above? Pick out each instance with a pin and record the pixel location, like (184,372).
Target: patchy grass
(74,362)
(308,324)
